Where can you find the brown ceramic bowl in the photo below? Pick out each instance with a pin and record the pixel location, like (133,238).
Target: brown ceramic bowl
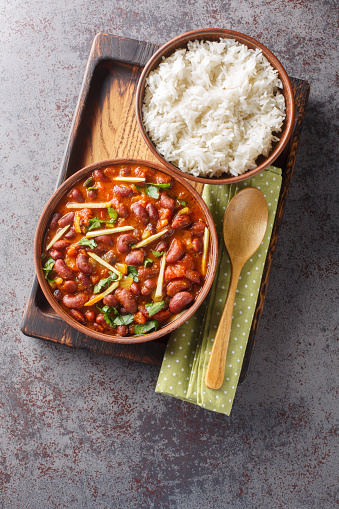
(213,34)
(43,226)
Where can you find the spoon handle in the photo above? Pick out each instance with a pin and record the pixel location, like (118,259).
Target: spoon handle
(216,365)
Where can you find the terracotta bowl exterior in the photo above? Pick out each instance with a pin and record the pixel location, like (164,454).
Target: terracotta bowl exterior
(43,226)
(214,34)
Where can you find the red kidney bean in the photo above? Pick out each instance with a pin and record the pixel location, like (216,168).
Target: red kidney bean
(176,251)
(98,327)
(178,285)
(197,245)
(166,202)
(83,264)
(57,294)
(152,211)
(105,239)
(77,315)
(77,195)
(124,172)
(135,288)
(100,319)
(181,221)
(122,330)
(92,194)
(122,191)
(66,219)
(55,219)
(174,272)
(198,229)
(99,250)
(193,276)
(163,179)
(123,311)
(162,246)
(85,281)
(124,242)
(70,286)
(75,301)
(151,229)
(148,286)
(110,300)
(140,172)
(161,316)
(62,270)
(188,262)
(110,257)
(168,233)
(55,254)
(137,234)
(180,301)
(128,301)
(99,175)
(90,315)
(144,311)
(135,257)
(140,212)
(70,234)
(121,209)
(61,244)
(146,272)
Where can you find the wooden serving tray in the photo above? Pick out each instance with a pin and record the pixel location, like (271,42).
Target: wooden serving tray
(104,126)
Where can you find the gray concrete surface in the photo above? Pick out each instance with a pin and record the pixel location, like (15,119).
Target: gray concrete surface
(79,430)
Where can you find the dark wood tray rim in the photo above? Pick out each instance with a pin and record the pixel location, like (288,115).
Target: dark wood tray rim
(36,320)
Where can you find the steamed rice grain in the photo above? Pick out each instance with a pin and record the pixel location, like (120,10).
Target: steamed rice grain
(214,107)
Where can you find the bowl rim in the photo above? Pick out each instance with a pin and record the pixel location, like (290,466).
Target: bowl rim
(244,39)
(44,222)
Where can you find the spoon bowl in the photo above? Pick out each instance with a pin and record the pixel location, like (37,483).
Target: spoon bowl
(244,227)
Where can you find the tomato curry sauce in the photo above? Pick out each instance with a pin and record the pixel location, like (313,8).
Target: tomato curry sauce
(126,250)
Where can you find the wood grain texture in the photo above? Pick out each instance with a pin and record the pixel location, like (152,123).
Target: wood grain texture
(104,126)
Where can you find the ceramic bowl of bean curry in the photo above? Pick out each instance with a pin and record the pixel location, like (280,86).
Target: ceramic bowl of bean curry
(125,250)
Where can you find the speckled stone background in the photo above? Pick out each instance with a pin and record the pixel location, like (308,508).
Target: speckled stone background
(79,430)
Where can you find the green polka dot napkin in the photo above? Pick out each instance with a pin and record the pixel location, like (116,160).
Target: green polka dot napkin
(187,353)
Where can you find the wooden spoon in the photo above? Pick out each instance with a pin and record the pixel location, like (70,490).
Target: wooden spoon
(244,227)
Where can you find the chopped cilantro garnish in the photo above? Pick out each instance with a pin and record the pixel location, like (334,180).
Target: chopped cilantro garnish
(142,328)
(132,272)
(93,223)
(148,261)
(182,202)
(152,191)
(106,311)
(88,243)
(161,186)
(112,214)
(116,320)
(123,320)
(48,267)
(157,254)
(103,282)
(155,307)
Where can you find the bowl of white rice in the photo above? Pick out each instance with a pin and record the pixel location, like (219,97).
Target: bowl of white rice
(215,106)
